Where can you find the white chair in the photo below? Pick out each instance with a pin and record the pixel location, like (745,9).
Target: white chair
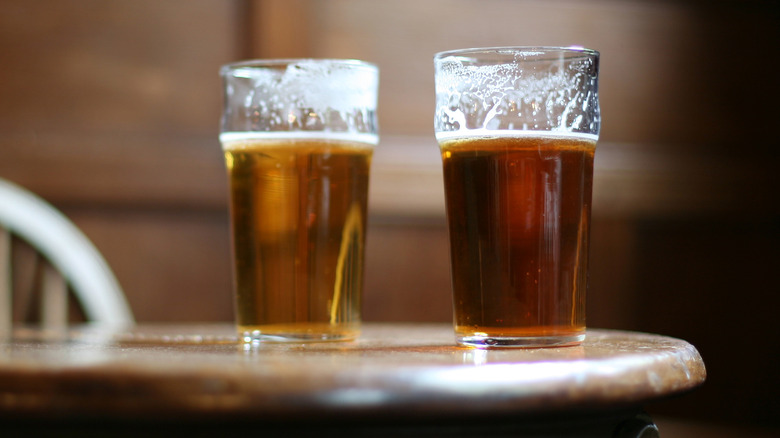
(72,260)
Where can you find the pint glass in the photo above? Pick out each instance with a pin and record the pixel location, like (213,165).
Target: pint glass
(517,129)
(298,136)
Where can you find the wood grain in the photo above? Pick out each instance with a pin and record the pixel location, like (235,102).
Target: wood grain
(404,371)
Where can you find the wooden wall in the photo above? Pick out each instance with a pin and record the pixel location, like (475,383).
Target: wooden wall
(110,109)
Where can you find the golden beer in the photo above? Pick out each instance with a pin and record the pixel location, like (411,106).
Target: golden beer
(518,208)
(298,211)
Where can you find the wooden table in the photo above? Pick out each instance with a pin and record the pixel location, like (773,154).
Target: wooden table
(395,380)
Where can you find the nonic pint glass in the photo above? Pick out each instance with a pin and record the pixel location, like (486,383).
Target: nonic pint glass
(298,137)
(517,129)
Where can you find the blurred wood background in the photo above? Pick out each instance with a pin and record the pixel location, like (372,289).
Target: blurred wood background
(110,110)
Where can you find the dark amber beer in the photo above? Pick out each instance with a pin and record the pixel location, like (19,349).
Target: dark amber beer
(298,209)
(518,209)
(517,128)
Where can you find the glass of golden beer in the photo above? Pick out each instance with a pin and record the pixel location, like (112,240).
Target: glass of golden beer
(517,129)
(298,136)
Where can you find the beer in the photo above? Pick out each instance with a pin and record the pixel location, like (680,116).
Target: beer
(298,211)
(518,207)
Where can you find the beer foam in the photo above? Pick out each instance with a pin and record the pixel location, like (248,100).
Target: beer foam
(370,140)
(511,89)
(301,95)
(321,84)
(494,133)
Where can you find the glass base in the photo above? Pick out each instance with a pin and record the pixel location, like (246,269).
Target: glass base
(255,336)
(485,341)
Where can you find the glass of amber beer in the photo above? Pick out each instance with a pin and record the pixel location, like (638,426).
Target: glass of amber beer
(298,136)
(517,128)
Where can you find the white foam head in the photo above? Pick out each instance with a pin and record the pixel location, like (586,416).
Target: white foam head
(518,88)
(300,95)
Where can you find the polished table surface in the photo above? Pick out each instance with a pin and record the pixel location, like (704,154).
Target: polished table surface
(400,371)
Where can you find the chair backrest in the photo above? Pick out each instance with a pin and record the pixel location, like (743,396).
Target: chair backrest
(73,260)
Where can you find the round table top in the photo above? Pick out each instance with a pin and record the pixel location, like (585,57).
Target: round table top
(392,368)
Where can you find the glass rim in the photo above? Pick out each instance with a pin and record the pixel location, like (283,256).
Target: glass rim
(283,62)
(476,52)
